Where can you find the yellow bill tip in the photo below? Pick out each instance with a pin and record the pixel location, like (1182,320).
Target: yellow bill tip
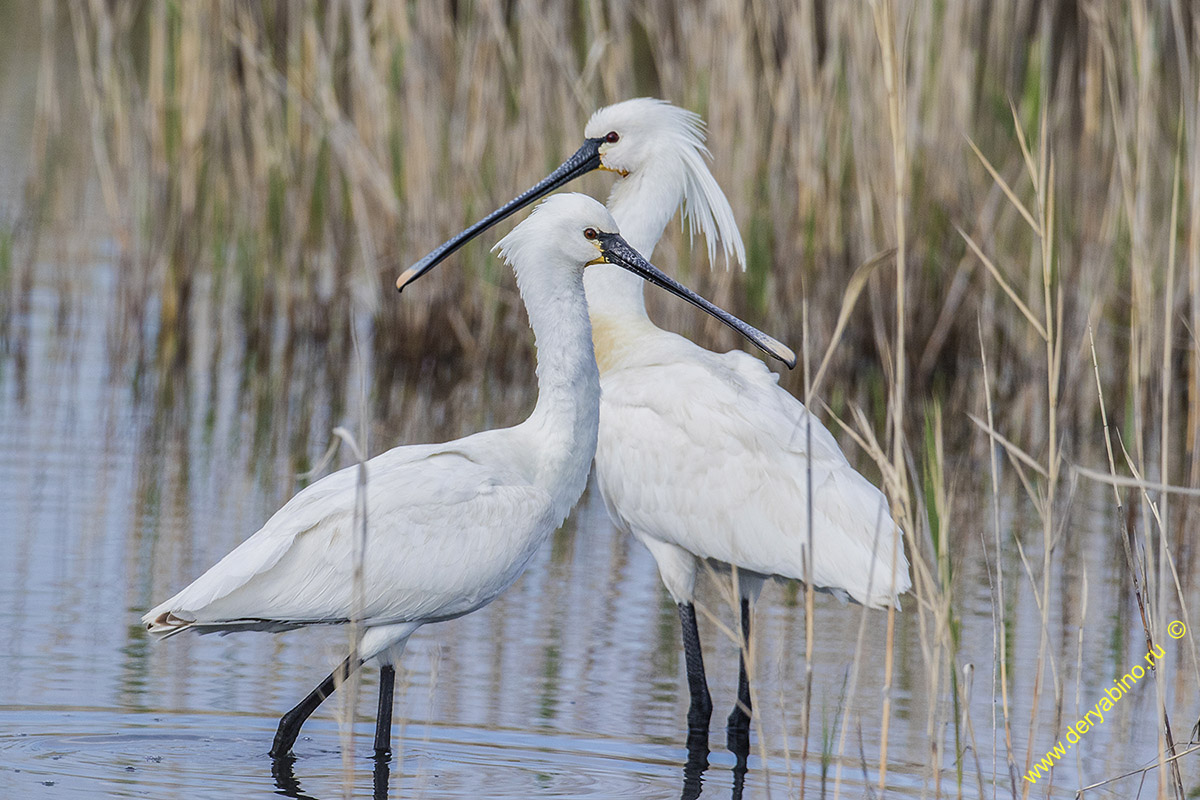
(404,278)
(782,352)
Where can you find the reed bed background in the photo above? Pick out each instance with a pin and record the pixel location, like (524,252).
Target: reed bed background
(1036,165)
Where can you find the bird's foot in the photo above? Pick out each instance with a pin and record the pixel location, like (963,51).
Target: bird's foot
(285,737)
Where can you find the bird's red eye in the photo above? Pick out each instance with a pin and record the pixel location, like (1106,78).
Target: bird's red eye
(612,137)
(590,233)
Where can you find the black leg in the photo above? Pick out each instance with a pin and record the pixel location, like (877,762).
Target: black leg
(738,730)
(289,724)
(700,710)
(383,719)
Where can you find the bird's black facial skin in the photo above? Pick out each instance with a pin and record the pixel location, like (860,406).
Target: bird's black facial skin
(615,250)
(585,159)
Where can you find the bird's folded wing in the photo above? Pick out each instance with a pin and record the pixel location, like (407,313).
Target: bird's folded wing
(414,495)
(711,455)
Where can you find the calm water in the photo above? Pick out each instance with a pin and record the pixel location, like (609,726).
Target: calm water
(122,479)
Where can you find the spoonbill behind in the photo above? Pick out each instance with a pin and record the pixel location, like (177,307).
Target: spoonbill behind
(450,526)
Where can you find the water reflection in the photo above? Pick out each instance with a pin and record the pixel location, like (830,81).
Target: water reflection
(697,763)
(282,770)
(693,770)
(379,776)
(288,785)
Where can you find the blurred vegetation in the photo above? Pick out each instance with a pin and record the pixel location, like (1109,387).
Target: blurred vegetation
(299,154)
(1038,161)
(294,156)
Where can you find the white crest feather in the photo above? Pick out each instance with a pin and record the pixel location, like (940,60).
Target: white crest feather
(705,206)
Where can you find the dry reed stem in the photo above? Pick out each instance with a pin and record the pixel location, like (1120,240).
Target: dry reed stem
(351,685)
(888,31)
(1157,621)
(999,628)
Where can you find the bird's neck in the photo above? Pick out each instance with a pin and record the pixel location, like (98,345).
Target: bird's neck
(565,421)
(642,204)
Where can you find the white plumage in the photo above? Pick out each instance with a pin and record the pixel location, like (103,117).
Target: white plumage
(450,527)
(702,456)
(732,467)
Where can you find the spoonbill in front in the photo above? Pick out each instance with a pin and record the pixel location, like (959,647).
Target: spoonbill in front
(452,525)
(702,456)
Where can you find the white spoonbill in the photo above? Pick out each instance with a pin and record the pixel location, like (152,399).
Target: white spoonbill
(452,525)
(702,455)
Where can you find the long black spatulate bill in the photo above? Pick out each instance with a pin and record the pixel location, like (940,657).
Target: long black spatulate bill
(586,159)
